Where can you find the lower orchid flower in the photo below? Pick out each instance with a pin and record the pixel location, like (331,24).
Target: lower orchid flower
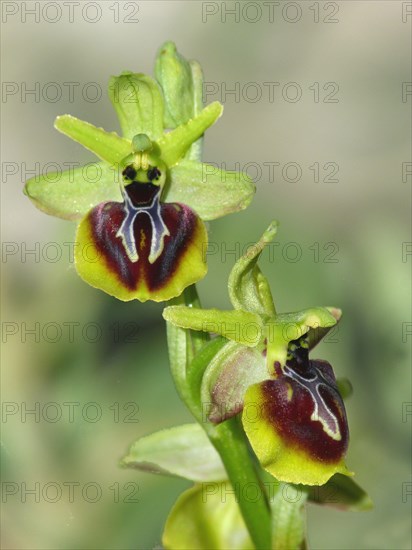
(292,411)
(300,434)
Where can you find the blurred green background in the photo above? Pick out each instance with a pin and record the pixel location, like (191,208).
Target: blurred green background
(314,82)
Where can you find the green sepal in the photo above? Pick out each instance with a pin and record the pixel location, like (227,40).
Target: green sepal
(288,518)
(248,287)
(204,517)
(182,85)
(174,145)
(138,102)
(197,78)
(231,371)
(240,326)
(71,194)
(211,192)
(183,451)
(108,146)
(341,492)
(174,74)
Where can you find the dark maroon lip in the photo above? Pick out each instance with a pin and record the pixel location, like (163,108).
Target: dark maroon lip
(315,407)
(105,221)
(292,421)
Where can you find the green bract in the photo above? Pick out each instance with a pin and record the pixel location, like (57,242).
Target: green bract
(293,413)
(141,207)
(183,451)
(207,515)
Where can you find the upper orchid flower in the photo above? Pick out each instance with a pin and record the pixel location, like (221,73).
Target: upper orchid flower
(141,234)
(293,413)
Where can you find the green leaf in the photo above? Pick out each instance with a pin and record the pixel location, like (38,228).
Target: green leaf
(341,492)
(71,194)
(211,192)
(175,144)
(138,102)
(183,451)
(248,288)
(240,326)
(174,74)
(288,521)
(231,371)
(205,517)
(108,146)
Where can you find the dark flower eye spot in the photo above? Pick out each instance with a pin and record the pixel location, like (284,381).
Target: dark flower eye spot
(153,173)
(298,352)
(129,173)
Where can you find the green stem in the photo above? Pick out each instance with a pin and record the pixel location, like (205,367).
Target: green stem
(228,437)
(229,440)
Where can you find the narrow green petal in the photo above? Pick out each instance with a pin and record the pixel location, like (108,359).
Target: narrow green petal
(229,374)
(240,326)
(108,146)
(248,287)
(139,104)
(71,194)
(204,517)
(288,518)
(341,492)
(211,192)
(175,144)
(183,451)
